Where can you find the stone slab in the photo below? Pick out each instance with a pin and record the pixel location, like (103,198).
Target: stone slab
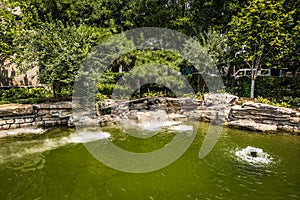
(15,109)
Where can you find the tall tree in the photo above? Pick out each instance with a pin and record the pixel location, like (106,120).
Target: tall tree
(58,51)
(261,28)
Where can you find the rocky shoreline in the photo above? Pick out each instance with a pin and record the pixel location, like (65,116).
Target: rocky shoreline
(263,117)
(216,108)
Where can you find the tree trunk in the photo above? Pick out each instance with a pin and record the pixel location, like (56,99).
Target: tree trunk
(120,69)
(252,89)
(255,70)
(139,87)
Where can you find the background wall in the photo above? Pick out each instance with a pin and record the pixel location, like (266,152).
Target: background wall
(11,76)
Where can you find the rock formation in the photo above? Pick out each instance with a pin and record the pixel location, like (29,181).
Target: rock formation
(218,108)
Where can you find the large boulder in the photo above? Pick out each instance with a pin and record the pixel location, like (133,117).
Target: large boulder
(219,100)
(217,106)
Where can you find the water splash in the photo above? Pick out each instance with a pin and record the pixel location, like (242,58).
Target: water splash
(254,156)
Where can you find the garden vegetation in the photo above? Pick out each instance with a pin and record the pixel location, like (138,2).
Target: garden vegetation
(57,35)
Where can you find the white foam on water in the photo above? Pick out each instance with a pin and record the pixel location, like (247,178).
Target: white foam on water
(172,123)
(153,125)
(48,144)
(156,125)
(261,157)
(150,126)
(20,131)
(84,137)
(181,128)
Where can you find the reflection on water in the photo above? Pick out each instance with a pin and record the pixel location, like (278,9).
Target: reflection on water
(30,162)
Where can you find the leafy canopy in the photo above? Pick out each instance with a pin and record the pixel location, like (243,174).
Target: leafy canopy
(263,27)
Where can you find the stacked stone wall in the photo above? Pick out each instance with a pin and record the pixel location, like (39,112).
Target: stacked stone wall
(40,115)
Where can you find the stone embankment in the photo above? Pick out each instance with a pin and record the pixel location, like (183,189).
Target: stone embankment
(217,108)
(214,106)
(263,117)
(39,115)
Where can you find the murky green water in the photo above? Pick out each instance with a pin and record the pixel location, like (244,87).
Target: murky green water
(57,166)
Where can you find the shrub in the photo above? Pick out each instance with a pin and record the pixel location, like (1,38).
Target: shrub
(267,87)
(24,95)
(260,99)
(293,101)
(100,97)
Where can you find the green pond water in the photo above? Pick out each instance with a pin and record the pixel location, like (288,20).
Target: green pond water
(56,165)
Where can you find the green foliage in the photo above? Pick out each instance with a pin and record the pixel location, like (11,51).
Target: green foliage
(278,87)
(190,17)
(117,14)
(13,21)
(213,14)
(266,87)
(110,77)
(239,87)
(91,12)
(105,88)
(262,25)
(151,94)
(140,65)
(100,97)
(264,28)
(137,57)
(58,50)
(57,35)
(215,42)
(293,101)
(24,95)
(260,99)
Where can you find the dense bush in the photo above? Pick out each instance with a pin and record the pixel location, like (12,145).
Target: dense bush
(24,95)
(272,102)
(293,101)
(267,87)
(105,88)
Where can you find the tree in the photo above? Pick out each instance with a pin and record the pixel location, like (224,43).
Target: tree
(292,58)
(215,42)
(216,14)
(12,23)
(58,51)
(262,29)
